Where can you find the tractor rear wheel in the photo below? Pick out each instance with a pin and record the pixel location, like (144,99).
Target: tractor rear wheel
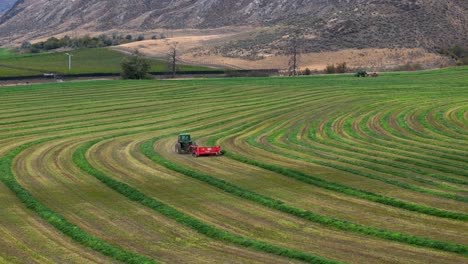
(177,148)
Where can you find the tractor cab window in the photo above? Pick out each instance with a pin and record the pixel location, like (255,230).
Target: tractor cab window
(184,138)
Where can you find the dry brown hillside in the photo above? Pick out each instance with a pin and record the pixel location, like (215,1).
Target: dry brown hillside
(326,24)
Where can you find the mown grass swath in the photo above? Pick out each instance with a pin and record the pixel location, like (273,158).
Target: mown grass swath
(349,160)
(128,257)
(79,158)
(148,149)
(309,179)
(384,143)
(57,220)
(365,155)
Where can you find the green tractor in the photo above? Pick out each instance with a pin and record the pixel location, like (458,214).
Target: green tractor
(361,74)
(184,144)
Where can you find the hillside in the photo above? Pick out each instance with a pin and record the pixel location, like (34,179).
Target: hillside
(5,5)
(327,24)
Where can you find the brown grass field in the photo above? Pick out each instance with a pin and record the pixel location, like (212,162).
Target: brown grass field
(200,49)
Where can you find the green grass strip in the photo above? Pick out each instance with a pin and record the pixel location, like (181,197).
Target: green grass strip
(298,175)
(318,182)
(366,150)
(346,151)
(431,114)
(412,145)
(384,147)
(381,140)
(148,150)
(59,221)
(440,117)
(404,185)
(79,158)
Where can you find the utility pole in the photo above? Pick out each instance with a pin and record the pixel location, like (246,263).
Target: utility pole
(69,60)
(293,63)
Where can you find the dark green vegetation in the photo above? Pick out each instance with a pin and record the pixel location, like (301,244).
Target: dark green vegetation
(135,67)
(6,53)
(78,43)
(317,169)
(458,53)
(99,60)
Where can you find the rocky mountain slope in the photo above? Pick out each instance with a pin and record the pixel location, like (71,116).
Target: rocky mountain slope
(326,24)
(5,5)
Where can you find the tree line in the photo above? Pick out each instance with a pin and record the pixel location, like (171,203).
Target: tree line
(87,41)
(457,53)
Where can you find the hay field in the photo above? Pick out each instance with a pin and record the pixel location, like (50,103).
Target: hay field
(84,61)
(323,169)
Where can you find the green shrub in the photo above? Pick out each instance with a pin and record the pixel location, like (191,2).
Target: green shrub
(341,67)
(409,66)
(330,69)
(135,67)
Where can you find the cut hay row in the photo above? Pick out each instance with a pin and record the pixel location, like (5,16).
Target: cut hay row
(201,227)
(406,143)
(346,163)
(283,171)
(399,168)
(445,118)
(420,122)
(346,189)
(114,168)
(383,147)
(109,215)
(147,148)
(403,185)
(378,127)
(25,237)
(398,165)
(57,220)
(432,119)
(280,134)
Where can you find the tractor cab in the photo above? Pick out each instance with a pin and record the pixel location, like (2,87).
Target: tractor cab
(184,143)
(184,138)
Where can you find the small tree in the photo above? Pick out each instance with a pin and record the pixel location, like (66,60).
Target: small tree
(52,43)
(26,45)
(307,71)
(140,38)
(173,58)
(330,69)
(341,67)
(135,67)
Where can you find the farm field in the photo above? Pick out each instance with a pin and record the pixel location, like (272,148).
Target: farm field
(97,60)
(322,169)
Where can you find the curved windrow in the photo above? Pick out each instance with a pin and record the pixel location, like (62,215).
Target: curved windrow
(316,169)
